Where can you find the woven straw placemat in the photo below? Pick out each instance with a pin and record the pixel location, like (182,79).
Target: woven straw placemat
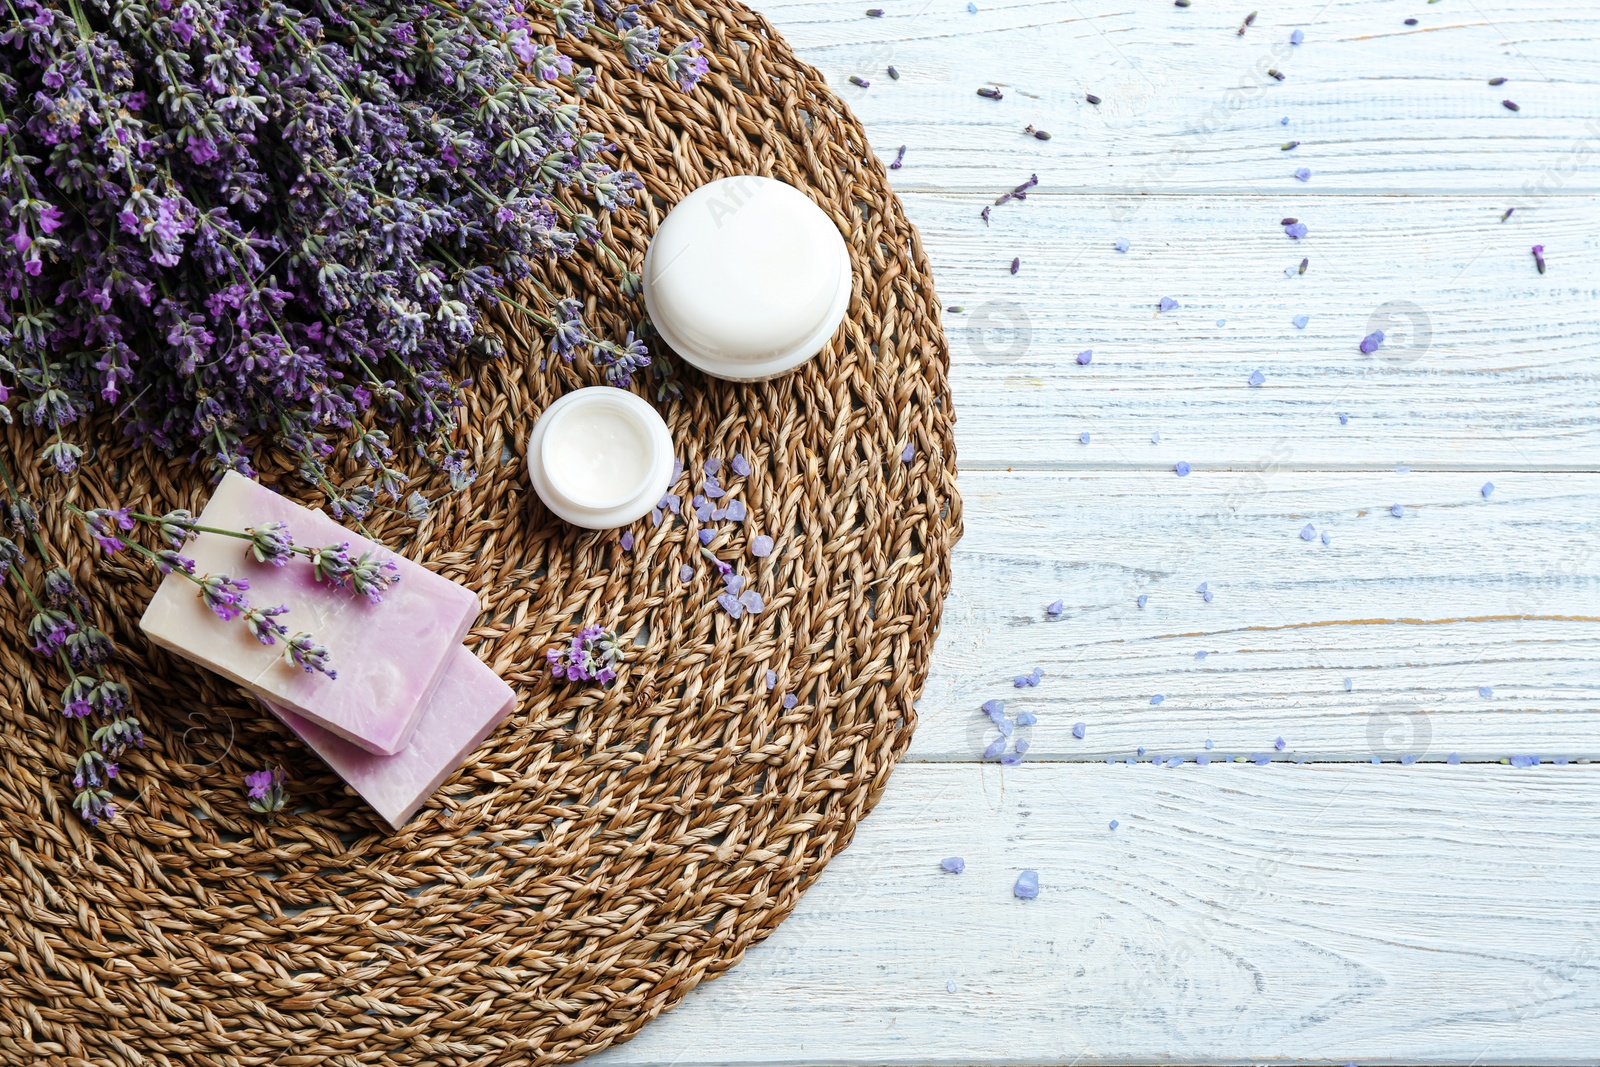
(606,850)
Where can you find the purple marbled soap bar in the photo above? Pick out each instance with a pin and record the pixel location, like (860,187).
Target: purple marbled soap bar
(389,656)
(470,702)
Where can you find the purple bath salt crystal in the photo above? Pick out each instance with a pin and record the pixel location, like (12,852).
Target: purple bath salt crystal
(994,708)
(1022,746)
(1308,532)
(1114,824)
(1297,36)
(1278,744)
(772,680)
(1327,539)
(1078,730)
(910,452)
(713,465)
(1454,759)
(1524,761)
(1257,378)
(1349,684)
(761,546)
(1084,437)
(1121,244)
(1027,887)
(1300,321)
(950,986)
(1174,761)
(735,510)
(1397,511)
(1144,598)
(1182,469)
(706,536)
(1005,726)
(731,605)
(1027,718)
(1054,608)
(1485,692)
(1304,174)
(995,748)
(1488,487)
(740,465)
(1158,698)
(685,573)
(1370,343)
(1085,357)
(953,864)
(790,700)
(704,510)
(733,582)
(1202,760)
(1168,304)
(1010,759)
(752,602)
(1296,230)
(1407,760)
(626,540)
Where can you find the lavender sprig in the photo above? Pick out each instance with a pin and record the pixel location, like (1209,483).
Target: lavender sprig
(265,791)
(592,656)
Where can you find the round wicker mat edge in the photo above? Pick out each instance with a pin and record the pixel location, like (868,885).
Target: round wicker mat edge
(605,851)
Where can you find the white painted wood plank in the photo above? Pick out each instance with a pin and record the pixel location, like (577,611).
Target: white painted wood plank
(1418,612)
(1317,914)
(1488,364)
(1187,103)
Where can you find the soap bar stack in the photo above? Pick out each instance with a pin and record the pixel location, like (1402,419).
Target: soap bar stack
(409,702)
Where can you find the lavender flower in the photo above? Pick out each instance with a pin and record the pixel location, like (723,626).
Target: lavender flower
(304,652)
(271,543)
(592,656)
(223,595)
(331,563)
(264,625)
(105,525)
(49,630)
(371,578)
(266,792)
(177,528)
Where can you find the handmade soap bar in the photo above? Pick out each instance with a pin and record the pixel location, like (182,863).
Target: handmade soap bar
(470,702)
(389,656)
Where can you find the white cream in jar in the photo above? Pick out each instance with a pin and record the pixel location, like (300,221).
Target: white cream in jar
(600,457)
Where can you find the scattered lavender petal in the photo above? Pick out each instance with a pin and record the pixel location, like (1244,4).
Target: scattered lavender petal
(1027,886)
(1371,342)
(1016,264)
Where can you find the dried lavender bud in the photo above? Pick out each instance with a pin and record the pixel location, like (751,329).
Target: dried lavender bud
(1288,221)
(270,543)
(1016,264)
(117,735)
(1507,215)
(1289,146)
(265,791)
(304,652)
(1276,75)
(1304,263)
(1093,99)
(177,527)
(1497,81)
(264,625)
(1041,135)
(10,556)
(88,648)
(1509,105)
(856,79)
(1180,3)
(1249,20)
(224,595)
(874,12)
(1411,22)
(332,563)
(49,630)
(894,75)
(1538,257)
(899,158)
(991,94)
(371,579)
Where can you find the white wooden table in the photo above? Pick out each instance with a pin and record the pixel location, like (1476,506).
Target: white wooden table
(1319,912)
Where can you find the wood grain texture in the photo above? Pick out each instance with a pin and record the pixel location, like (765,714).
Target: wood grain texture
(1418,612)
(1187,105)
(1283,914)
(1488,364)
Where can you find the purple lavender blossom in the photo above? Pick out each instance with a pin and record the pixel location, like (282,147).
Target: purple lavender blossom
(265,791)
(224,595)
(303,651)
(592,656)
(371,578)
(264,625)
(271,543)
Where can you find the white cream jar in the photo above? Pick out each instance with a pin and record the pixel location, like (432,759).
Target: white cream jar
(747,278)
(600,457)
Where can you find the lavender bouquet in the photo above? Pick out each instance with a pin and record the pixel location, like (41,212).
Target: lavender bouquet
(230,218)
(234,222)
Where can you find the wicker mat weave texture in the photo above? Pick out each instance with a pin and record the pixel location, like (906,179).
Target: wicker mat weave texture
(606,850)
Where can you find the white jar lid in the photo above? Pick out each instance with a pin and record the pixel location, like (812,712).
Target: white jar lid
(600,457)
(747,278)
